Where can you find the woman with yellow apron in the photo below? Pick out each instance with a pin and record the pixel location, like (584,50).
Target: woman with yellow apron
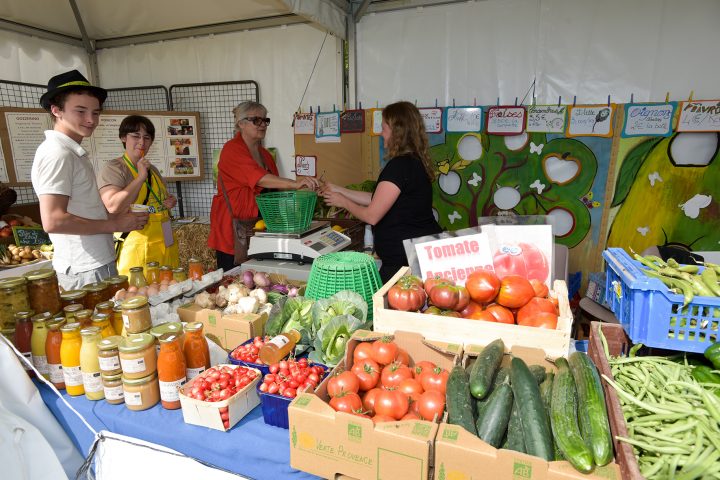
(130,182)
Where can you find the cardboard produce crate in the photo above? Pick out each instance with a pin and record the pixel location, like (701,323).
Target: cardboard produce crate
(460,455)
(329,443)
(228,331)
(465,332)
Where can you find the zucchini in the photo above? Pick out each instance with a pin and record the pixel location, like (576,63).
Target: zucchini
(458,400)
(492,426)
(592,412)
(538,371)
(564,420)
(500,378)
(485,367)
(514,439)
(538,439)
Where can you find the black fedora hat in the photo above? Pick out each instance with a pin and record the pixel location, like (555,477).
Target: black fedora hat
(67,81)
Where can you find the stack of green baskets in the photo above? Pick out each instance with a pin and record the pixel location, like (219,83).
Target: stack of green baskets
(333,272)
(287,212)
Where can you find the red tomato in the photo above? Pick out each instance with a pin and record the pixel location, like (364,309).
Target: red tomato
(434,380)
(391,403)
(541,290)
(485,316)
(534,306)
(501,314)
(368,373)
(422,366)
(362,351)
(472,307)
(384,350)
(343,382)
(483,286)
(348,402)
(369,400)
(450,313)
(382,418)
(541,320)
(402,357)
(393,374)
(444,295)
(411,416)
(515,291)
(410,386)
(432,281)
(406,295)
(463,299)
(523,259)
(431,405)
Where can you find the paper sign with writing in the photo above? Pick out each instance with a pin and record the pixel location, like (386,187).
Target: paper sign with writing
(352,121)
(454,258)
(305,165)
(30,236)
(699,116)
(506,120)
(463,119)
(653,119)
(546,118)
(432,117)
(327,124)
(376,122)
(591,121)
(304,123)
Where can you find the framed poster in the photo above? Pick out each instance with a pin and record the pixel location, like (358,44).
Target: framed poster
(506,120)
(699,116)
(327,124)
(376,122)
(304,124)
(546,118)
(463,119)
(432,117)
(305,165)
(352,121)
(590,121)
(648,119)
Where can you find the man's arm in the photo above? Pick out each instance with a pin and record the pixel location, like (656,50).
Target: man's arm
(56,219)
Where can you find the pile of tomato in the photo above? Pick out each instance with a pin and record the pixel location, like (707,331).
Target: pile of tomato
(290,377)
(381,385)
(512,299)
(248,352)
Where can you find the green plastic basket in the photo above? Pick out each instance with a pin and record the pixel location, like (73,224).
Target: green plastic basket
(287,212)
(338,271)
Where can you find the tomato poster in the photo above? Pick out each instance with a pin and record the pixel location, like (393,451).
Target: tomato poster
(454,258)
(525,250)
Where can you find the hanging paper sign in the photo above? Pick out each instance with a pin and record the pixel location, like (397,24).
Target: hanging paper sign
(376,121)
(304,123)
(305,165)
(653,119)
(327,125)
(590,121)
(699,116)
(506,120)
(352,121)
(463,119)
(546,118)
(454,258)
(432,117)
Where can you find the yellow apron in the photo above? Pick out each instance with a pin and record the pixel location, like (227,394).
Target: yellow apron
(148,244)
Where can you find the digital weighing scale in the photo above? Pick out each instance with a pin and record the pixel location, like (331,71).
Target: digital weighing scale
(304,247)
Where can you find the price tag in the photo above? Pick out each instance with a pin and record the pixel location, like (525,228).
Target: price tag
(30,236)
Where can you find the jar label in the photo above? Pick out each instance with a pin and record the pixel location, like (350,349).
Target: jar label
(279,341)
(73,376)
(56,373)
(133,398)
(133,366)
(114,393)
(92,382)
(28,357)
(109,364)
(40,362)
(191,373)
(126,321)
(169,390)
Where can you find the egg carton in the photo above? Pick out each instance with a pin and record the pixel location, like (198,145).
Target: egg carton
(173,291)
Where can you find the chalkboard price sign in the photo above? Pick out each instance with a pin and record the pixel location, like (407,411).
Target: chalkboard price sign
(30,236)
(352,121)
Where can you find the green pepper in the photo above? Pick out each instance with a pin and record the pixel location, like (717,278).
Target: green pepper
(713,355)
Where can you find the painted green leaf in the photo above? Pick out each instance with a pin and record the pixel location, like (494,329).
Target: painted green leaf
(629,169)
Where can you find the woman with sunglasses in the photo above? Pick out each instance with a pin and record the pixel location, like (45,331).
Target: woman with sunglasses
(245,169)
(131,182)
(401,205)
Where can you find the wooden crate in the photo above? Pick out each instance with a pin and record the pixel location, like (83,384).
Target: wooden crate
(464,331)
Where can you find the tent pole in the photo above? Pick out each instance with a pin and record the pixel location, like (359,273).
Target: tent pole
(87,43)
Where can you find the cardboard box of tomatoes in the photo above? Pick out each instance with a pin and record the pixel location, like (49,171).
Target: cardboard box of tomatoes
(329,443)
(465,331)
(228,331)
(460,455)
(221,414)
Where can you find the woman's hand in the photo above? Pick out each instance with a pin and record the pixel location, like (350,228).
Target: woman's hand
(170,202)
(328,187)
(143,167)
(311,183)
(334,199)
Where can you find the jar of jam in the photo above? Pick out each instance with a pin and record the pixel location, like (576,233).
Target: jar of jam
(70,297)
(89,364)
(43,291)
(195,348)
(171,370)
(109,355)
(117,283)
(23,334)
(13,298)
(97,292)
(113,387)
(83,317)
(136,314)
(179,274)
(152,272)
(102,321)
(137,277)
(195,269)
(105,307)
(71,310)
(117,321)
(37,342)
(141,393)
(137,355)
(165,274)
(70,358)
(169,327)
(52,352)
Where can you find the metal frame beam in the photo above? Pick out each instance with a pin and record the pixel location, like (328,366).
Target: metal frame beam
(87,43)
(391,5)
(40,33)
(361,10)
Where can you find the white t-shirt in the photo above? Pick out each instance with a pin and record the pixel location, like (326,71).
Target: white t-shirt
(62,167)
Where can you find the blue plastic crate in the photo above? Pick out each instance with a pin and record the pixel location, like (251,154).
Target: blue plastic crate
(275,407)
(651,314)
(264,369)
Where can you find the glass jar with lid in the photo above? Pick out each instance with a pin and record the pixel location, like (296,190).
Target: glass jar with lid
(117,283)
(171,370)
(37,342)
(137,355)
(105,307)
(141,393)
(136,314)
(96,292)
(83,317)
(22,338)
(166,274)
(13,298)
(137,277)
(117,321)
(52,351)
(72,296)
(113,388)
(70,310)
(179,274)
(195,348)
(168,327)
(102,321)
(152,273)
(70,358)
(109,355)
(195,269)
(43,291)
(89,364)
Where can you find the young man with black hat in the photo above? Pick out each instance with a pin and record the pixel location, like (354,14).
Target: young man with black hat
(72,212)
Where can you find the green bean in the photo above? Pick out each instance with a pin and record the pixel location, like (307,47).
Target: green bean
(653,448)
(652,433)
(655,467)
(706,461)
(679,428)
(622,393)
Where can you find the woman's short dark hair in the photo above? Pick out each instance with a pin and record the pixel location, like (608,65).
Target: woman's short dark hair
(134,123)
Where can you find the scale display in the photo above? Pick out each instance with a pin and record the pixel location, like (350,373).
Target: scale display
(304,247)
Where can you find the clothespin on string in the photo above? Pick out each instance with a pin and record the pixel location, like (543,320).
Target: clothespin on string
(453,103)
(436,103)
(498,102)
(474,101)
(516,101)
(667,97)
(559,100)
(608,100)
(690,98)
(574,99)
(632,98)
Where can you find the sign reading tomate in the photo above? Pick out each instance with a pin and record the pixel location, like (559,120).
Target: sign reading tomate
(454,258)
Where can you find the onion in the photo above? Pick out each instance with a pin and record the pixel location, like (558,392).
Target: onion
(261,279)
(279,288)
(247,279)
(292,292)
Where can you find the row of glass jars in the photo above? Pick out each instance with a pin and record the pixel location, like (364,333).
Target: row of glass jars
(154,273)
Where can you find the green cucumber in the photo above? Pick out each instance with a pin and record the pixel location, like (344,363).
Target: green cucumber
(538,371)
(485,367)
(492,426)
(458,400)
(500,378)
(514,439)
(564,420)
(592,412)
(538,439)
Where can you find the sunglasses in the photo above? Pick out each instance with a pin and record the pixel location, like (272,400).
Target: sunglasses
(258,121)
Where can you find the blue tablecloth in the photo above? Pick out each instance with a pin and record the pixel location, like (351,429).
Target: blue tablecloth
(250,448)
